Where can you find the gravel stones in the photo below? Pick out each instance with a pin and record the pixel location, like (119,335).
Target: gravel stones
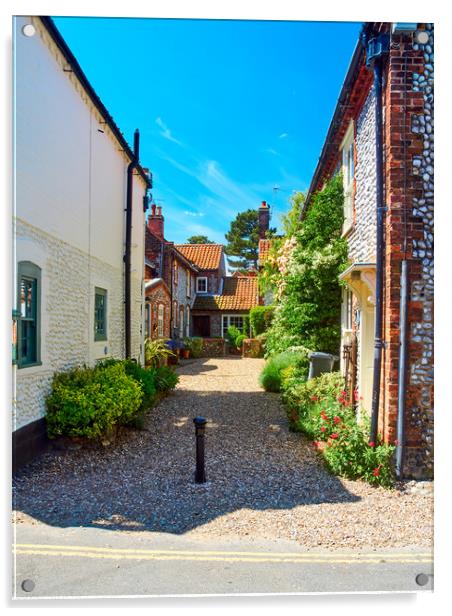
(263,481)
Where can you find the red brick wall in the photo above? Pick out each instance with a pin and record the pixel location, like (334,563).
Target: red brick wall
(404,188)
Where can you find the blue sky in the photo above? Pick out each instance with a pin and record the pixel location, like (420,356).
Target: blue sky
(227,110)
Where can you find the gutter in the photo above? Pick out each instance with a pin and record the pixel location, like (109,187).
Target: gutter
(77,70)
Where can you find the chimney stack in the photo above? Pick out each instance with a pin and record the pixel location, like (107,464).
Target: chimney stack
(156,221)
(264,219)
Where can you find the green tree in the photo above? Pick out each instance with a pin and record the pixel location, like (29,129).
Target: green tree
(243,240)
(199,239)
(308,312)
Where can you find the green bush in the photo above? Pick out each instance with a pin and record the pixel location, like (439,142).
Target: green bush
(232,334)
(239,340)
(144,376)
(272,373)
(165,378)
(260,319)
(194,345)
(319,408)
(90,402)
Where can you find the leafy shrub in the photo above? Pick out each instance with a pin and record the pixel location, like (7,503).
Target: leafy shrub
(239,340)
(319,408)
(144,376)
(90,402)
(165,378)
(271,375)
(194,344)
(156,351)
(260,319)
(232,334)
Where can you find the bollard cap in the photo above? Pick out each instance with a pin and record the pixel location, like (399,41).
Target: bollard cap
(200,421)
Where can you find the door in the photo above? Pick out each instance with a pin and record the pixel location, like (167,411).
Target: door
(201,326)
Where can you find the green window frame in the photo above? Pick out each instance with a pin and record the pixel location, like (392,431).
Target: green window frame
(100,314)
(28,314)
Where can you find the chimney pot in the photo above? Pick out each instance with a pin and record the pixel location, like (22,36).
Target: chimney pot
(153,209)
(159,210)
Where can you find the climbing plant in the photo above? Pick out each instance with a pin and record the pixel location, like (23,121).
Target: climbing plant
(304,276)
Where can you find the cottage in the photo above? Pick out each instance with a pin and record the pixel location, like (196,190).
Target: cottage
(79,228)
(381,137)
(168,302)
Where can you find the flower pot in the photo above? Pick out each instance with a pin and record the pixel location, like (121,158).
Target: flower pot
(186,353)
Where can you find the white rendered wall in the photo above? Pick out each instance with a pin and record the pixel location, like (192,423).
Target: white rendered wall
(70,189)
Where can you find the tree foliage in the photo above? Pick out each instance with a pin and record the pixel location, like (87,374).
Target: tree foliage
(304,275)
(243,240)
(199,239)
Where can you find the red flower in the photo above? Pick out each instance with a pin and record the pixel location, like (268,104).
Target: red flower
(343,393)
(336,419)
(334,435)
(314,398)
(371,444)
(376,471)
(324,416)
(322,429)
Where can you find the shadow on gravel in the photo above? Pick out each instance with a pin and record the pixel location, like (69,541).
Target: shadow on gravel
(146,480)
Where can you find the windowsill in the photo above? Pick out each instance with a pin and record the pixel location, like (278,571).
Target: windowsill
(101,339)
(31,365)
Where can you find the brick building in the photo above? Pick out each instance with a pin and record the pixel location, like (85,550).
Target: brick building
(381,136)
(170,283)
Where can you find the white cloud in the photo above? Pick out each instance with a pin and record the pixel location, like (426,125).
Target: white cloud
(194,214)
(283,135)
(272,151)
(165,132)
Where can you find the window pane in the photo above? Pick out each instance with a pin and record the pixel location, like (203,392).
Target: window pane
(28,341)
(100,315)
(27,298)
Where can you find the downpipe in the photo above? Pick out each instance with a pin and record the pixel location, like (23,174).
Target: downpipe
(401,401)
(127,255)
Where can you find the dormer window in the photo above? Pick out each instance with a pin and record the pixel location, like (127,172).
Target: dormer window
(201,284)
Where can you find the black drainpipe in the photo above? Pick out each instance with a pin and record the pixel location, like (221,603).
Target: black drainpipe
(132,165)
(377,48)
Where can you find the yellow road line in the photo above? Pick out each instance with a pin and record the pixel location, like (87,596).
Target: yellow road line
(194,558)
(223,552)
(135,554)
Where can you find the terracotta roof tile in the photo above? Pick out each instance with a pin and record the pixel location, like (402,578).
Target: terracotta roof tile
(204,256)
(239,293)
(264,249)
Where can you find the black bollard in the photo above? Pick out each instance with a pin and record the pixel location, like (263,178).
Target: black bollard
(200,428)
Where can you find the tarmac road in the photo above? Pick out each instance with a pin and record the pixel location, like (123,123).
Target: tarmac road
(92,562)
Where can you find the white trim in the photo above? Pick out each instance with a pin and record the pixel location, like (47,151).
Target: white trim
(348,169)
(197,284)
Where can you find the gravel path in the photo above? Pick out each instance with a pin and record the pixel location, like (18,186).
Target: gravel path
(263,481)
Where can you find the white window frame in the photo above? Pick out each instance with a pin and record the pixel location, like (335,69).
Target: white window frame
(228,317)
(148,320)
(181,321)
(198,280)
(187,324)
(188,284)
(161,321)
(348,175)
